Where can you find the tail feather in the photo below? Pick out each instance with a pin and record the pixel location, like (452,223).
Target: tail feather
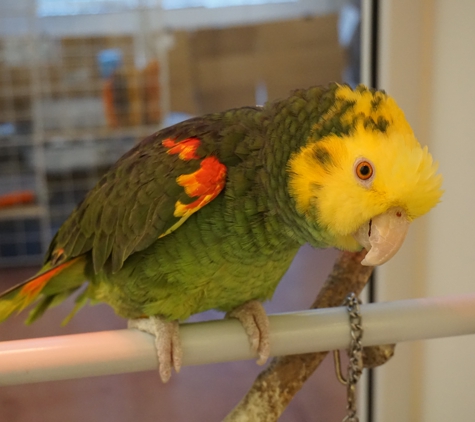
(47,302)
(24,294)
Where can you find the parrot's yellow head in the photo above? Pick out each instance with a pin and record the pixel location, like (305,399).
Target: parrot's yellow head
(365,186)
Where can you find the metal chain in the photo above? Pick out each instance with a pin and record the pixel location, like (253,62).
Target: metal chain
(355,365)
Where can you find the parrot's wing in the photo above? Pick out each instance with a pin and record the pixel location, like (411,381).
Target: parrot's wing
(149,193)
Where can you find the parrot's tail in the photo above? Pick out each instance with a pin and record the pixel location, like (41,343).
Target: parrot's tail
(55,284)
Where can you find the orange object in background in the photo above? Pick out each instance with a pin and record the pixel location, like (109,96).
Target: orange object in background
(151,92)
(17,198)
(108,101)
(131,97)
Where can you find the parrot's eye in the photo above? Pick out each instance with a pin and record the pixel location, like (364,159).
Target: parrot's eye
(364,170)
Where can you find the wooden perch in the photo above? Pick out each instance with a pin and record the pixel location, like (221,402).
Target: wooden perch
(275,387)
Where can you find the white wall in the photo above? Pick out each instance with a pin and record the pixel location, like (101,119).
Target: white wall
(449,364)
(428,64)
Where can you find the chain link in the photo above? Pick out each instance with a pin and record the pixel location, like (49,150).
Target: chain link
(355,365)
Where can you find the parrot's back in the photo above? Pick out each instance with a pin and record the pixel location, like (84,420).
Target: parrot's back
(180,224)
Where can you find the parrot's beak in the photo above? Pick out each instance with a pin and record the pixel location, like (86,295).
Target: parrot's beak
(382,236)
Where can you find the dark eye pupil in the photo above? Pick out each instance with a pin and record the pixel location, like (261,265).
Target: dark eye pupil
(365,170)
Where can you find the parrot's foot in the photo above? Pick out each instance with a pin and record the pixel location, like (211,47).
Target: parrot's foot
(167,342)
(255,322)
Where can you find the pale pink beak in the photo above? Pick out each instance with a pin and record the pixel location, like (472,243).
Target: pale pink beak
(382,236)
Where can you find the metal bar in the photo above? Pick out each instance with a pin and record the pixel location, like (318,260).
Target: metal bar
(113,352)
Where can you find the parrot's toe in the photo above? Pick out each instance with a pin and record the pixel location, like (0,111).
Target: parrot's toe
(255,322)
(167,342)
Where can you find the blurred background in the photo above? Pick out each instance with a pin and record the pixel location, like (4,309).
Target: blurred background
(80,82)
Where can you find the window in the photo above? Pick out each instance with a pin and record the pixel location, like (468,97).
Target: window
(76,7)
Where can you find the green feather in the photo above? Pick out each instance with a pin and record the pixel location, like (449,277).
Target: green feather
(142,259)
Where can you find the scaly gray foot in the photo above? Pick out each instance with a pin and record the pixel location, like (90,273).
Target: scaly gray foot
(254,319)
(167,342)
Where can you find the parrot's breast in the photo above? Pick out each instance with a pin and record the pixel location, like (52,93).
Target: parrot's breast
(211,262)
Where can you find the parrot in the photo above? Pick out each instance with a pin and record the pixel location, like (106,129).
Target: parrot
(209,213)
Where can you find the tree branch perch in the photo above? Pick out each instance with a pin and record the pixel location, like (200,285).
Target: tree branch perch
(275,387)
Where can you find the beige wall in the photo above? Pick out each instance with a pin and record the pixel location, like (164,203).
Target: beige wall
(428,64)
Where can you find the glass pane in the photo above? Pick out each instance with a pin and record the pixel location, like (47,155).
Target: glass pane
(79,90)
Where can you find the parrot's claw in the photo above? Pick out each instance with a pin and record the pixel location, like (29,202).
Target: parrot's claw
(167,342)
(255,322)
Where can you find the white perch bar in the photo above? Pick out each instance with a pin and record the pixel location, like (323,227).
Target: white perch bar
(113,352)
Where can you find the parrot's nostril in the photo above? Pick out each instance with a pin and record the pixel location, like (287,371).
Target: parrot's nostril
(369,230)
